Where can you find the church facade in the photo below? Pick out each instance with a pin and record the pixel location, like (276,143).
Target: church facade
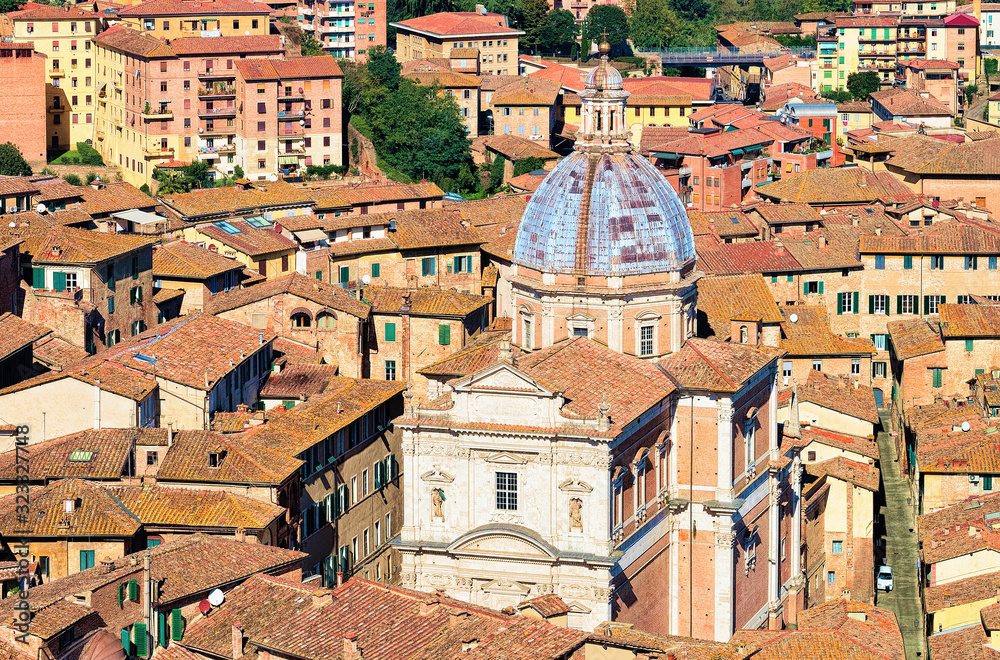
(603,454)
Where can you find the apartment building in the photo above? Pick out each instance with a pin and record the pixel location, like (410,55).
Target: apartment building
(24,120)
(65,37)
(345,28)
(435,36)
(289,115)
(174,19)
(939,78)
(929,9)
(158,102)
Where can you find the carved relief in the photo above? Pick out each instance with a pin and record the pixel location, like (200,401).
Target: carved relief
(576,514)
(574,591)
(409,450)
(602,594)
(437,476)
(545,589)
(444,450)
(409,580)
(463,582)
(438,580)
(491,406)
(507,518)
(575,485)
(504,380)
(506,458)
(725,539)
(437,499)
(545,459)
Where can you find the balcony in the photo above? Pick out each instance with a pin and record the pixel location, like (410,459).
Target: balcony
(207,153)
(159,152)
(57,73)
(227,111)
(163,112)
(217,130)
(56,109)
(216,73)
(308,11)
(292,95)
(296,134)
(290,115)
(100,135)
(217,91)
(329,28)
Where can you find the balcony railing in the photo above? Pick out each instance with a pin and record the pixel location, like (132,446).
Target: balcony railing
(289,115)
(216,91)
(297,134)
(228,111)
(57,73)
(216,73)
(162,112)
(56,109)
(160,152)
(215,151)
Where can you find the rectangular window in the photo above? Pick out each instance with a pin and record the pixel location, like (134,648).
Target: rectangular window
(937,262)
(987,482)
(444,334)
(390,370)
(855,366)
(971,263)
(506,491)
(931,304)
(880,341)
(831,577)
(879,370)
(786,370)
(969,343)
(879,304)
(818,365)
(906,304)
(993,263)
(345,274)
(847,302)
(428,266)
(879,262)
(390,333)
(936,377)
(646,340)
(86,559)
(837,547)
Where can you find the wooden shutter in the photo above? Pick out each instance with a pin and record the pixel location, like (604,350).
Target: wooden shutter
(936,377)
(927,304)
(840,304)
(444,334)
(38,278)
(378,475)
(133,590)
(871,304)
(458,265)
(857,301)
(121,593)
(899,304)
(805,288)
(176,625)
(126,642)
(141,643)
(59,281)
(161,628)
(907,262)
(819,288)
(393,467)
(390,332)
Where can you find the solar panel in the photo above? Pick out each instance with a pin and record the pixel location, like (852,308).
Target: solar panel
(226,227)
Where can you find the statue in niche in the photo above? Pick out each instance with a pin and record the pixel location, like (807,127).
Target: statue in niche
(576,514)
(437,499)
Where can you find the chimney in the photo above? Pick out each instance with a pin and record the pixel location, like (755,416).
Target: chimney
(237,640)
(170,435)
(778,245)
(429,604)
(878,230)
(603,421)
(822,242)
(505,354)
(855,220)
(108,565)
(351,650)
(457,617)
(845,595)
(321,598)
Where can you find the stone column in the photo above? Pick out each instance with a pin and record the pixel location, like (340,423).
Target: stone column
(724,487)
(724,584)
(773,567)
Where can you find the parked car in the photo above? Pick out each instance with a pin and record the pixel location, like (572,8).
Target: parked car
(883,582)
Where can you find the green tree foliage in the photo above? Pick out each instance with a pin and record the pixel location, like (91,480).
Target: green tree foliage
(310,46)
(529,164)
(970,93)
(90,178)
(837,95)
(796,40)
(352,84)
(89,155)
(610,19)
(171,183)
(559,33)
(860,85)
(383,68)
(238,172)
(531,16)
(12,163)
(496,173)
(651,22)
(73,179)
(144,188)
(10,5)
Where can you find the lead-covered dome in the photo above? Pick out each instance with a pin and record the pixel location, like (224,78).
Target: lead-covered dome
(609,213)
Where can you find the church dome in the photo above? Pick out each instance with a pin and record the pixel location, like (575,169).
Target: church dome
(608,214)
(604,210)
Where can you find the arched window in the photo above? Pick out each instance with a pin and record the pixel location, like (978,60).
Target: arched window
(326,321)
(301,320)
(744,334)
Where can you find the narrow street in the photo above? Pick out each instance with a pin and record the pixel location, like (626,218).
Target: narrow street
(901,551)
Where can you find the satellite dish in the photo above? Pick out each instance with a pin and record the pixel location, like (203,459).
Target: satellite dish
(12,224)
(40,208)
(272,177)
(216,597)
(246,32)
(794,318)
(302,122)
(965,427)
(366,279)
(204,607)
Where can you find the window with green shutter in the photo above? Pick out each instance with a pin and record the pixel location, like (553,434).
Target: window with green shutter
(86,559)
(126,641)
(161,628)
(428,266)
(135,267)
(111,304)
(378,474)
(345,274)
(987,482)
(391,467)
(319,275)
(59,281)
(133,590)
(907,262)
(444,334)
(774,279)
(176,625)
(857,300)
(38,278)
(122,592)
(968,345)
(111,277)
(935,377)
(789,278)
(376,270)
(141,642)
(390,332)
(840,304)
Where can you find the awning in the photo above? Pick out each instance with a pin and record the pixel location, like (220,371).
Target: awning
(737,152)
(310,235)
(288,160)
(138,217)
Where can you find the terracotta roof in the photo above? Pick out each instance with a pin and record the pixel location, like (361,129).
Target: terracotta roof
(977,158)
(424,301)
(527,182)
(243,44)
(726,224)
(810,434)
(717,144)
(94,454)
(109,377)
(513,148)
(720,258)
(16,333)
(921,64)
(776,96)
(956,237)
(52,188)
(787,214)
(968,643)
(251,241)
(67,245)
(653,136)
(527,91)
(447,78)
(569,78)
(420,228)
(113,197)
(716,366)
(969,321)
(947,451)
(51,12)
(907,103)
(840,395)
(163,296)
(459,23)
(873,627)
(366,246)
(861,475)
(374,194)
(233,201)
(185,260)
(915,337)
(810,335)
(297,68)
(990,614)
(242,459)
(55,352)
(835,185)
(297,380)
(96,513)
(726,297)
(157,506)
(481,352)
(548,605)
(298,285)
(133,42)
(194,8)
(962,592)
(290,432)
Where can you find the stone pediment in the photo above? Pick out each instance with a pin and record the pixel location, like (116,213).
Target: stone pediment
(577,608)
(506,458)
(506,587)
(502,377)
(575,486)
(580,316)
(490,542)
(437,476)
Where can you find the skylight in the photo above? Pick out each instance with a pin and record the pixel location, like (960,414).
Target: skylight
(735,220)
(81,456)
(226,227)
(258,221)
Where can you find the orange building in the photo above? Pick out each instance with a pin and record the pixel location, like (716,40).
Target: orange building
(23,119)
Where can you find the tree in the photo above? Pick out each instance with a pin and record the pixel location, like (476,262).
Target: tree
(310,47)
(197,175)
(970,93)
(238,172)
(529,164)
(651,22)
(144,188)
(861,85)
(90,178)
(12,163)
(10,5)
(531,17)
(171,183)
(837,95)
(496,172)
(990,67)
(72,179)
(383,68)
(610,19)
(559,32)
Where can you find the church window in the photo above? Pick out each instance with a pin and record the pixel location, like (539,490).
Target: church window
(506,491)
(744,334)
(527,334)
(749,435)
(579,331)
(646,340)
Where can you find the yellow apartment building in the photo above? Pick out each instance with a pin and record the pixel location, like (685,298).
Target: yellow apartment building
(172,19)
(435,36)
(65,36)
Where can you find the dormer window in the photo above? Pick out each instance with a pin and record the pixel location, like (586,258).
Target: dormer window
(215,458)
(70,504)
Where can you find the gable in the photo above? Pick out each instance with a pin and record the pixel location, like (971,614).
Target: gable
(500,544)
(502,377)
